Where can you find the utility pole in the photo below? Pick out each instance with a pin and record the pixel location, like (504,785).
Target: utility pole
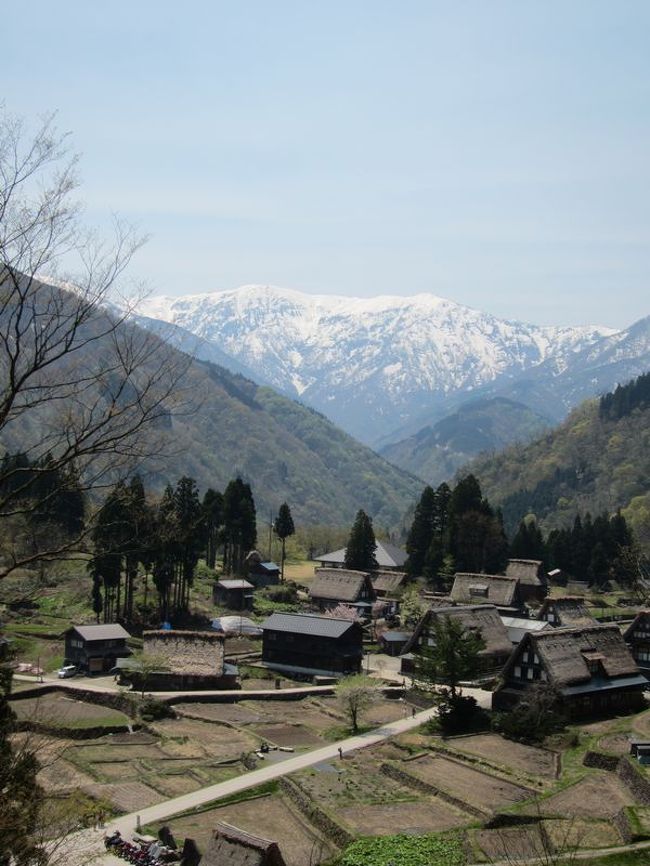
(270,534)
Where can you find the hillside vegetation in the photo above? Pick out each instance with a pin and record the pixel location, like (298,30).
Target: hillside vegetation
(436,451)
(597,460)
(219,424)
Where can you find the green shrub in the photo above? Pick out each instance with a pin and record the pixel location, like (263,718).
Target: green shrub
(405,851)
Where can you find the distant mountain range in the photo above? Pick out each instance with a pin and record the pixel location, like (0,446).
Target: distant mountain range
(388,370)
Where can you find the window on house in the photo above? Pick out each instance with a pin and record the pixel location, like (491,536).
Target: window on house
(518,672)
(529,673)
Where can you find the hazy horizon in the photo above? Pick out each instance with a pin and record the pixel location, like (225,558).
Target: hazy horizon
(494,154)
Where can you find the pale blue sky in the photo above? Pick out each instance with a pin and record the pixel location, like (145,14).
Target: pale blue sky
(497,153)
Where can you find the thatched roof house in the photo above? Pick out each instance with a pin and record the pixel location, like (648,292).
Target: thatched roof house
(480,618)
(533,580)
(637,637)
(333,586)
(188,659)
(569,611)
(495,589)
(388,583)
(231,846)
(388,557)
(591,668)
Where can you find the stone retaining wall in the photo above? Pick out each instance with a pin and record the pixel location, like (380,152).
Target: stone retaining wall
(319,818)
(416,784)
(636,783)
(600,761)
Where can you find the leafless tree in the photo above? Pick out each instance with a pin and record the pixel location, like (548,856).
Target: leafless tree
(80,387)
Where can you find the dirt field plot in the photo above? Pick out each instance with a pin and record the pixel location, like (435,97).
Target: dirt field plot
(297,736)
(386,818)
(506,753)
(616,744)
(600,795)
(61,775)
(61,711)
(128,796)
(469,785)
(236,714)
(354,780)
(316,714)
(385,711)
(269,817)
(207,739)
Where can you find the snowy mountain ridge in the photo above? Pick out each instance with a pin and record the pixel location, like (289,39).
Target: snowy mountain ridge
(369,364)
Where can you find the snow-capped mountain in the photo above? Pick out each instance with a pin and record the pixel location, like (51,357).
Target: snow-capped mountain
(369,364)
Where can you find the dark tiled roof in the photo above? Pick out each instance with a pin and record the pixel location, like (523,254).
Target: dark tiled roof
(311,624)
(387,556)
(110,631)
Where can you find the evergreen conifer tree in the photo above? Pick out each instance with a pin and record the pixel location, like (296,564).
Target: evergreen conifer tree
(361,547)
(283,528)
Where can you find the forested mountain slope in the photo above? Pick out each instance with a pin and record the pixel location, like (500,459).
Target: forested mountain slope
(435,452)
(597,460)
(227,425)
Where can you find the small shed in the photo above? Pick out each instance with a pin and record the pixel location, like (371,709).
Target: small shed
(231,846)
(235,594)
(95,648)
(393,642)
(260,572)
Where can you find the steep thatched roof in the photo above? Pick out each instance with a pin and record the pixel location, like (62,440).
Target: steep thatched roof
(388,581)
(231,846)
(485,589)
(642,618)
(339,584)
(481,618)
(569,610)
(565,654)
(529,572)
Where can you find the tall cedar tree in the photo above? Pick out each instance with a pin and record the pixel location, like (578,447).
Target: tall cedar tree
(283,528)
(213,519)
(454,656)
(420,534)
(239,525)
(361,547)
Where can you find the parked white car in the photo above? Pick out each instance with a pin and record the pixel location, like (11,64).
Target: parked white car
(67,671)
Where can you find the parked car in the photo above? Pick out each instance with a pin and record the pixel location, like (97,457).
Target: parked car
(67,671)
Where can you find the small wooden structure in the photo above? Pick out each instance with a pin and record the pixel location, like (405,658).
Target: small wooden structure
(334,586)
(231,846)
(493,589)
(259,572)
(387,556)
(533,580)
(569,611)
(235,594)
(637,637)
